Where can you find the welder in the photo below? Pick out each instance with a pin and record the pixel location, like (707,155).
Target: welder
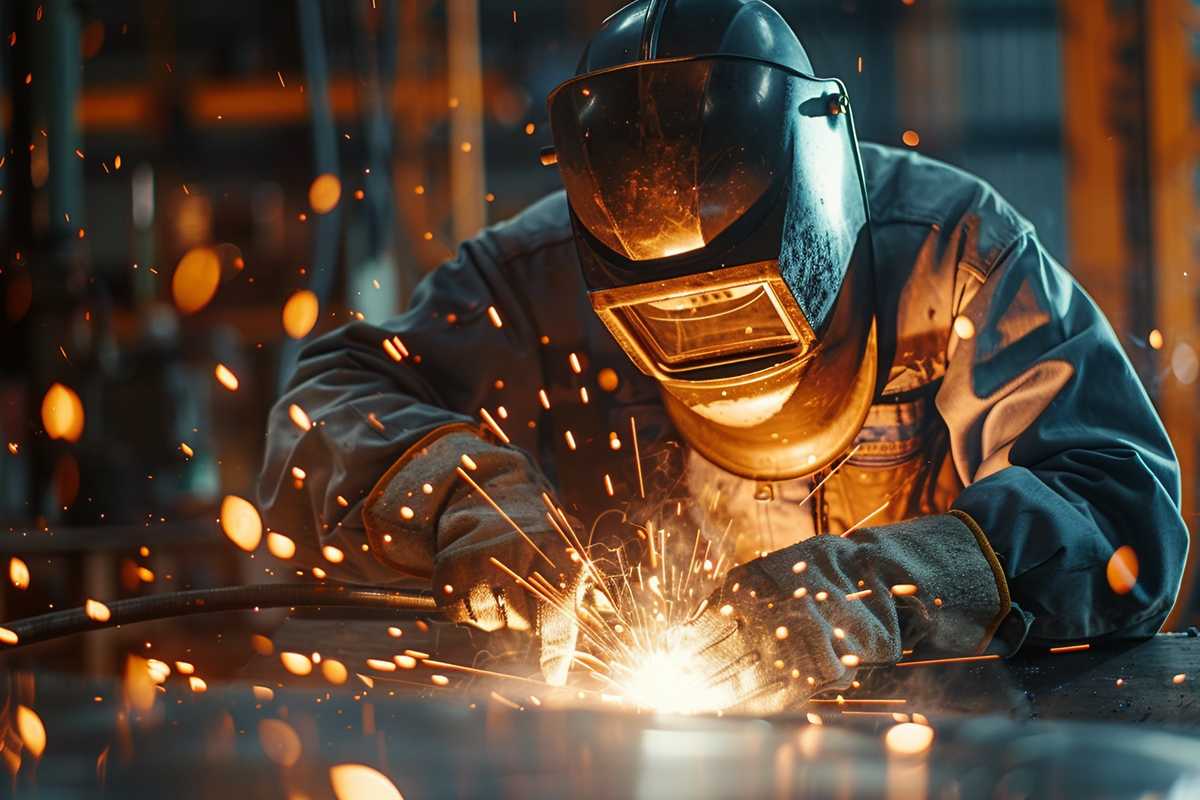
(866,355)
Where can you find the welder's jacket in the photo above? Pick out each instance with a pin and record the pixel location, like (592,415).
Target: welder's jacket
(1005,394)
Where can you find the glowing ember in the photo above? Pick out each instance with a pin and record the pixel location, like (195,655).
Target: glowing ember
(380,665)
(1122,570)
(197,684)
(405,662)
(62,413)
(963,328)
(909,738)
(1155,339)
(184,667)
(296,663)
(8,636)
(226,378)
(439,680)
(494,316)
(300,314)
(904,590)
(324,193)
(159,670)
(279,741)
(851,660)
(186,449)
(332,554)
(261,644)
(96,611)
(18,573)
(31,730)
(334,671)
(360,782)
(280,546)
(299,418)
(241,523)
(196,278)
(1180,678)
(264,694)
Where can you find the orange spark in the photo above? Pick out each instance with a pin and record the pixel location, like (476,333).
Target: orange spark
(296,663)
(96,611)
(226,377)
(241,523)
(300,313)
(18,573)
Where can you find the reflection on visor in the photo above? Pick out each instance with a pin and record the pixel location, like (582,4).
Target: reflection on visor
(700,324)
(661,158)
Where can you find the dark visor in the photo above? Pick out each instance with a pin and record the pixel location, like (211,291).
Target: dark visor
(659,158)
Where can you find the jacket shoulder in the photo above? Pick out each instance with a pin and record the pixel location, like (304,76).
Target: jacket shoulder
(544,225)
(906,188)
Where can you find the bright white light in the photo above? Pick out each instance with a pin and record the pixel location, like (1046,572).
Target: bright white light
(667,682)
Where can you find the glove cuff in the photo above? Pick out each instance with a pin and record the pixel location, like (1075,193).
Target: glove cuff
(962,594)
(985,547)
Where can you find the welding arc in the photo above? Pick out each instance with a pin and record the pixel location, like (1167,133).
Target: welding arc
(57,624)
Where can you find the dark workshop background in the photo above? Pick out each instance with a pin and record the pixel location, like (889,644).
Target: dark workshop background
(134,131)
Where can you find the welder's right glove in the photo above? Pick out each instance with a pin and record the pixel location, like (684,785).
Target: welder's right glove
(424,517)
(802,619)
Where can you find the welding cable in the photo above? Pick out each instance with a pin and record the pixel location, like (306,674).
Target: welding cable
(57,624)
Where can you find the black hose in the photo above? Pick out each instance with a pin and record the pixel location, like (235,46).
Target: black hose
(56,624)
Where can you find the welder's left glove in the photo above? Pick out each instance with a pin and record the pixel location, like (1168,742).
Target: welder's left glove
(802,619)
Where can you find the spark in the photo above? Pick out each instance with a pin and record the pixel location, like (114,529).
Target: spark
(8,636)
(298,417)
(1070,648)
(570,438)
(494,316)
(887,701)
(860,523)
(96,611)
(953,660)
(300,313)
(18,573)
(909,738)
(226,377)
(280,546)
(573,360)
(360,782)
(241,523)
(637,457)
(296,663)
(543,399)
(197,684)
(1180,678)
(495,426)
(186,449)
(31,731)
(859,595)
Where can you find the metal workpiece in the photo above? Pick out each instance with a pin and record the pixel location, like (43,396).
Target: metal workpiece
(430,741)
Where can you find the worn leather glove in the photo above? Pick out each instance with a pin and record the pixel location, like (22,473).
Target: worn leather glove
(802,619)
(425,518)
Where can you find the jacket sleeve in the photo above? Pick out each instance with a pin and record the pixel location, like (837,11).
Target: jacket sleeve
(1063,457)
(465,333)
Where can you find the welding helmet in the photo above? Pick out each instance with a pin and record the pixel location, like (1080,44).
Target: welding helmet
(717,198)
